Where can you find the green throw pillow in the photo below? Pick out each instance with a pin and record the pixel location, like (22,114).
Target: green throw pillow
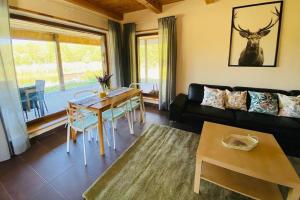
(263,102)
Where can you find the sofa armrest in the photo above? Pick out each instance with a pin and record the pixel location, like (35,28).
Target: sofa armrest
(177,106)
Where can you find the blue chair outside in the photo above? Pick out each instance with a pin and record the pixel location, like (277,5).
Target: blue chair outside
(29,101)
(40,92)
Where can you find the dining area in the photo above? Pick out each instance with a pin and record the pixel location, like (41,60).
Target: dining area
(95,116)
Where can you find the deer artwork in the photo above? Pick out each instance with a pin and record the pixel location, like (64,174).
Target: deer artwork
(253,54)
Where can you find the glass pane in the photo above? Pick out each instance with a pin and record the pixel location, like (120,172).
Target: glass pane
(148,64)
(39,79)
(142,60)
(81,63)
(152,73)
(37,76)
(36,60)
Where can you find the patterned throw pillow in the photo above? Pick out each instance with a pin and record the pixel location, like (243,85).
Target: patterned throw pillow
(289,106)
(236,100)
(263,102)
(213,97)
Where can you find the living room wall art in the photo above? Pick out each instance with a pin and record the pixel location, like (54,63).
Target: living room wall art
(255,31)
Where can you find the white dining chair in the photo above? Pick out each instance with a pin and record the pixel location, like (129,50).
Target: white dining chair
(136,103)
(80,122)
(117,110)
(83,94)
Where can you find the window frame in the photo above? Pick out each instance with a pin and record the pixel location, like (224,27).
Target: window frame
(137,59)
(101,33)
(67,27)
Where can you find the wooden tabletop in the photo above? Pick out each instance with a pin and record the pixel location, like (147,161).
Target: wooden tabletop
(103,105)
(267,161)
(106,102)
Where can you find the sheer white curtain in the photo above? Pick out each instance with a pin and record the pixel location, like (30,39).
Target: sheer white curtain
(10,105)
(4,149)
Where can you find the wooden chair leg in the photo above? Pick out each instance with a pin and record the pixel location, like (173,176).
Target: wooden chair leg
(74,135)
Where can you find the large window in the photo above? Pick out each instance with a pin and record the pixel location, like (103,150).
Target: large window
(148,64)
(51,68)
(81,63)
(36,60)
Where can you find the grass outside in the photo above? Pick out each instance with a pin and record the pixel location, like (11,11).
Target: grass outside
(75,74)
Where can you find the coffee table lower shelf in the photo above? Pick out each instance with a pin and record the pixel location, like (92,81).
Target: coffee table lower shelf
(240,183)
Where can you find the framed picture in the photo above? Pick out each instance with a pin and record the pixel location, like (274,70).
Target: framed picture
(255,31)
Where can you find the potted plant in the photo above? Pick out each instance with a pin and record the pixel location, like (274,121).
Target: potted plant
(104,82)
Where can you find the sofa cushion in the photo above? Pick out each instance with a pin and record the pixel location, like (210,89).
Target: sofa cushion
(210,112)
(264,102)
(236,100)
(196,91)
(263,121)
(269,121)
(258,90)
(289,106)
(288,123)
(213,97)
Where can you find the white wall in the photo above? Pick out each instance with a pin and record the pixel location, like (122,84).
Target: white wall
(203,44)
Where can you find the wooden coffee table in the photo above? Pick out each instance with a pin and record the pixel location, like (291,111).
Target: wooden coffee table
(256,173)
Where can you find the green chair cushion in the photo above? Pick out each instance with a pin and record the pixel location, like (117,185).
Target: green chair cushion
(85,122)
(117,112)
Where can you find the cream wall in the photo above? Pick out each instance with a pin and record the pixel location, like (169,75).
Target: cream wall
(203,45)
(64,10)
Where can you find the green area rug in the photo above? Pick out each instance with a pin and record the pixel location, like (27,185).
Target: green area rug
(160,165)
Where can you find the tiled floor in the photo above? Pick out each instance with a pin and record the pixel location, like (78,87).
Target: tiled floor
(46,171)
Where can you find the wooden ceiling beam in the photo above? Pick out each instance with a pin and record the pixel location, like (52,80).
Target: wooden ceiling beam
(153,5)
(96,8)
(209,1)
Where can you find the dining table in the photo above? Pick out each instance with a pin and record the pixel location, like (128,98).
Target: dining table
(98,105)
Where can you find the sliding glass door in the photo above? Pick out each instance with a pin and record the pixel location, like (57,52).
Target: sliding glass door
(148,64)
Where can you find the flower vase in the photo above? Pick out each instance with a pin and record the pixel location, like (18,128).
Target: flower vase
(103,90)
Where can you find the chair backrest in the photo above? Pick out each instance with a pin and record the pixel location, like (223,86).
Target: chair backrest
(119,102)
(134,85)
(40,85)
(74,113)
(86,92)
